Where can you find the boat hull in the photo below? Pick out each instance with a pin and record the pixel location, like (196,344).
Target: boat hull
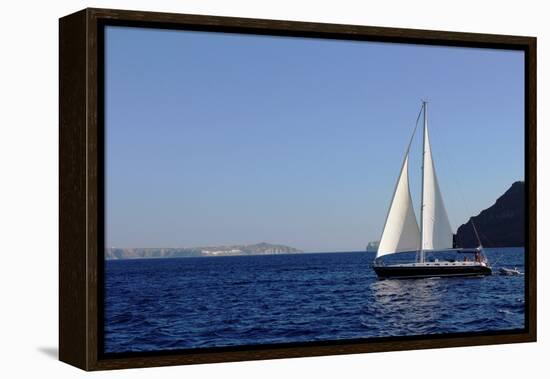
(426,271)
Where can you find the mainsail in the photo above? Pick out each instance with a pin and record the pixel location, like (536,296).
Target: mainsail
(436,229)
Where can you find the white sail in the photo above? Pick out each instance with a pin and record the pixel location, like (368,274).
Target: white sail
(401,232)
(436,229)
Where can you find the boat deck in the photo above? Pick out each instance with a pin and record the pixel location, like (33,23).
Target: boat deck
(436,264)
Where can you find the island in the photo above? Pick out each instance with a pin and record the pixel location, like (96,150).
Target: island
(262,248)
(372,246)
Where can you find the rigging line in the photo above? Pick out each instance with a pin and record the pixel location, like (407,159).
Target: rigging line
(487,238)
(475,231)
(405,157)
(500,256)
(415,127)
(463,198)
(497,260)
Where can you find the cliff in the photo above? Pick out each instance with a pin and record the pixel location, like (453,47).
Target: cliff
(501,225)
(256,249)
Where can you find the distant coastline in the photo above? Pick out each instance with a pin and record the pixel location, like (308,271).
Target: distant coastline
(263,248)
(500,225)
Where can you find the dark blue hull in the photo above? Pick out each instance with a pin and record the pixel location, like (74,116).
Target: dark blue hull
(401,271)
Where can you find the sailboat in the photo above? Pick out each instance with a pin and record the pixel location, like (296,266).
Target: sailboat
(402,233)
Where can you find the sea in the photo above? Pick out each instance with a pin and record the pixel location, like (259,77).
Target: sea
(208,302)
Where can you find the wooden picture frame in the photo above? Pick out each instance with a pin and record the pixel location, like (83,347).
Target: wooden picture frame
(81,161)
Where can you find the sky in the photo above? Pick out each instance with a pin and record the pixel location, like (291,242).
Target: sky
(214,139)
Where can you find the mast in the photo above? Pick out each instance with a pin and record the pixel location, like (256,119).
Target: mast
(421,253)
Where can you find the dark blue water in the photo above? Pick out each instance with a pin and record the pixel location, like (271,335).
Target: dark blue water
(163,304)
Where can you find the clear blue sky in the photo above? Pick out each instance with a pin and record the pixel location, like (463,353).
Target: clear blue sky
(229,139)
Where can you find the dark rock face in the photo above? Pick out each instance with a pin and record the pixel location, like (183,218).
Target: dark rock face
(501,225)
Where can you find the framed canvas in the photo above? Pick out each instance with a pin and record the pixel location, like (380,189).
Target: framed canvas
(241,189)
